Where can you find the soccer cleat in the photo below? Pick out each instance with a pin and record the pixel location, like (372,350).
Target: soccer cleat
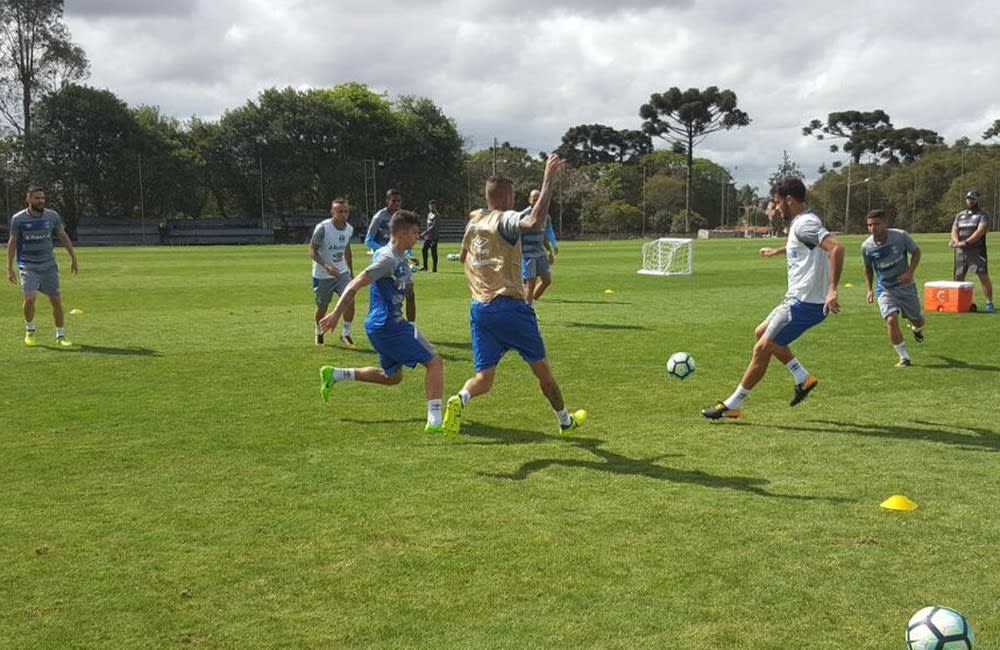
(904,363)
(348,342)
(576,420)
(319,339)
(29,338)
(989,307)
(433,428)
(325,382)
(802,390)
(63,342)
(719,411)
(918,333)
(452,423)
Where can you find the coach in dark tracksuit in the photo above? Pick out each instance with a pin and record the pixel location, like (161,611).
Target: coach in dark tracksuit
(430,236)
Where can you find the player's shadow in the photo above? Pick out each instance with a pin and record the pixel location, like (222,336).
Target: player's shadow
(610,462)
(606,326)
(130,351)
(588,302)
(981,438)
(951,363)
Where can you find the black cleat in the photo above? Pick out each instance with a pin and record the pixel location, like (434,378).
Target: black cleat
(802,390)
(918,334)
(719,411)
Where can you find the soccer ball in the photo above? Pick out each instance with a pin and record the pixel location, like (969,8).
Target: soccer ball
(938,628)
(680,365)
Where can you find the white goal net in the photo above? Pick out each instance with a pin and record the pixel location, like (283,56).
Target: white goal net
(668,256)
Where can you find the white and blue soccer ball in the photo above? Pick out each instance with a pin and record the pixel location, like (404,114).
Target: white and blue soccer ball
(680,365)
(938,628)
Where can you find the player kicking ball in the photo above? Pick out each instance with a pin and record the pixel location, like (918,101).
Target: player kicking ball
(499,318)
(395,338)
(815,261)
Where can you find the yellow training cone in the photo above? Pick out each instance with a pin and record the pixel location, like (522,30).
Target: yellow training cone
(898,502)
(609,291)
(848,285)
(76,312)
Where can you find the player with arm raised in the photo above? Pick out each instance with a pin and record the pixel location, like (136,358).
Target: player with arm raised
(333,266)
(893,256)
(499,319)
(815,261)
(395,338)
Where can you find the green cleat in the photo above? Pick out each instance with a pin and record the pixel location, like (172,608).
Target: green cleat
(433,428)
(452,424)
(63,342)
(325,382)
(576,420)
(30,339)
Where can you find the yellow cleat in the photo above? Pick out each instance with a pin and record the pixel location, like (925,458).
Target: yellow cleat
(63,342)
(30,339)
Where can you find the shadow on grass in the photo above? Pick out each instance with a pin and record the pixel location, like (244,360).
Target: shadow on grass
(587,302)
(606,326)
(610,462)
(130,351)
(982,439)
(951,363)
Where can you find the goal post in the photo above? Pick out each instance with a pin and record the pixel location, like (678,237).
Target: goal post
(668,256)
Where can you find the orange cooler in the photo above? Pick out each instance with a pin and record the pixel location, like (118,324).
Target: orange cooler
(945,295)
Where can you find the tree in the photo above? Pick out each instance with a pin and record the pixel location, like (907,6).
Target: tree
(688,118)
(588,144)
(787,167)
(862,131)
(993,131)
(36,57)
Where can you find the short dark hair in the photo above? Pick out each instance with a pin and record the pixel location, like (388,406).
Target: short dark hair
(434,203)
(497,185)
(35,188)
(877,214)
(339,199)
(391,192)
(402,220)
(789,186)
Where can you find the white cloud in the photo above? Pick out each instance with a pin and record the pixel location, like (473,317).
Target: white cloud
(524,71)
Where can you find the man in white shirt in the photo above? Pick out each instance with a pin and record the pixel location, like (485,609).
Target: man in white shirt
(333,266)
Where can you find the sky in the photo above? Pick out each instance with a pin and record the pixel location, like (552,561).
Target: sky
(525,71)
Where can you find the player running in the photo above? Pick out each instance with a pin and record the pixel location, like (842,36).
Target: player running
(815,261)
(395,338)
(893,256)
(499,318)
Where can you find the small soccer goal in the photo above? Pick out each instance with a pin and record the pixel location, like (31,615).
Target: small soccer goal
(668,256)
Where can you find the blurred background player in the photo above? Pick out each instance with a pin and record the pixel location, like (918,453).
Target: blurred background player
(968,238)
(430,236)
(395,338)
(537,254)
(378,228)
(815,261)
(333,266)
(30,242)
(499,318)
(891,255)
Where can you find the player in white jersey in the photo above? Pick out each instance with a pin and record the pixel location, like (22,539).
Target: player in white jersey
(815,261)
(333,266)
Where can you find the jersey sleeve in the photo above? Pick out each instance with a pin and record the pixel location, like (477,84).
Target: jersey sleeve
(510,226)
(381,267)
(318,235)
(811,232)
(909,243)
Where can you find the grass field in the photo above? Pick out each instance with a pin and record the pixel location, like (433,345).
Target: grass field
(175,480)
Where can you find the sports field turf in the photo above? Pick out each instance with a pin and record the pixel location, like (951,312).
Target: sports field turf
(175,480)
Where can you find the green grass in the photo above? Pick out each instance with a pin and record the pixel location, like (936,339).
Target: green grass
(175,481)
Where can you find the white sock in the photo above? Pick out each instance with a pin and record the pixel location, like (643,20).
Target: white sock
(800,373)
(319,330)
(901,350)
(434,412)
(343,374)
(29,326)
(60,331)
(564,419)
(465,396)
(347,328)
(735,400)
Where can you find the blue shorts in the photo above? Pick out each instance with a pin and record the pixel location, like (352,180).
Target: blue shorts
(535,267)
(500,325)
(790,320)
(400,344)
